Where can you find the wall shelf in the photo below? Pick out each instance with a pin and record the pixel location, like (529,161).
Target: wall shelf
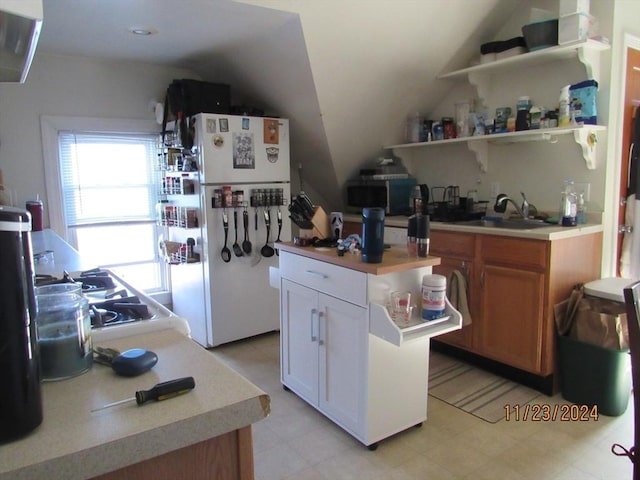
(587,51)
(586,136)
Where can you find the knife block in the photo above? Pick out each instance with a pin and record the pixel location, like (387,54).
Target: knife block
(320,221)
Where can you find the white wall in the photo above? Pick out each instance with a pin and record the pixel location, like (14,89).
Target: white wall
(69,86)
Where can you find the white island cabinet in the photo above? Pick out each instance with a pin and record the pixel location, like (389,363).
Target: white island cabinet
(340,350)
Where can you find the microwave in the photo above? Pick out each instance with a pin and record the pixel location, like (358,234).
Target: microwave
(393,195)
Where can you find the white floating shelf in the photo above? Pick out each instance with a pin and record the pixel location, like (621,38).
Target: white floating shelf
(381,325)
(584,135)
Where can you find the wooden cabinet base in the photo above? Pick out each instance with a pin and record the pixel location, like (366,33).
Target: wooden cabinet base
(228,456)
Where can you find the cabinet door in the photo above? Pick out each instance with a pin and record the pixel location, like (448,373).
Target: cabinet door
(463,337)
(512,316)
(343,343)
(299,340)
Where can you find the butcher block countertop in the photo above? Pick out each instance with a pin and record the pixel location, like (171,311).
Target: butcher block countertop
(394,259)
(75,443)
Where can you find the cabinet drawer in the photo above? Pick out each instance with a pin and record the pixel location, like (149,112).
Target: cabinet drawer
(449,244)
(520,252)
(340,282)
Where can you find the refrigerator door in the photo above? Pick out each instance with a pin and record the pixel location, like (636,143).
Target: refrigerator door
(240,298)
(237,149)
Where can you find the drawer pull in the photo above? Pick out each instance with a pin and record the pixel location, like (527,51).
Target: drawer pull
(315,274)
(314,312)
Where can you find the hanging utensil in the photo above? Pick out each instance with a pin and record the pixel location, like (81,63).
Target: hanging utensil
(236,246)
(225,253)
(246,244)
(267,250)
(279,229)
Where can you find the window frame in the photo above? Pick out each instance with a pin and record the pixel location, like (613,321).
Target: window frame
(50,128)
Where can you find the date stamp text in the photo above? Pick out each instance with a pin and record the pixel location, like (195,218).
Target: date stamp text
(545,412)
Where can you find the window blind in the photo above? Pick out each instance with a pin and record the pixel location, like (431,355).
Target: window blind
(107,177)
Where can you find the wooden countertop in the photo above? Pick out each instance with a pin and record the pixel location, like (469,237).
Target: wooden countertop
(74,443)
(393,259)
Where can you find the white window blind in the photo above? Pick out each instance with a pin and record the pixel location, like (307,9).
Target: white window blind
(109,189)
(107,177)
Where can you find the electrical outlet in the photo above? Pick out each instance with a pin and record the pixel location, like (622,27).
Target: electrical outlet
(495,189)
(585,188)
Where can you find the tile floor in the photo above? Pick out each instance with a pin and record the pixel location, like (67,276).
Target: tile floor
(297,442)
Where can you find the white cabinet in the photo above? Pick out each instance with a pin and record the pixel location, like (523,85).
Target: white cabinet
(325,340)
(342,353)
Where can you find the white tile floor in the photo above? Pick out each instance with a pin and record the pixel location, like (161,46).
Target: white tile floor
(297,442)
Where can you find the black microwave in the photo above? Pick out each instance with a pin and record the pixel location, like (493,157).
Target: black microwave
(393,195)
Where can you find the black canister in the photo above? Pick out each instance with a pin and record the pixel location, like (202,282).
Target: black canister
(20,398)
(372,235)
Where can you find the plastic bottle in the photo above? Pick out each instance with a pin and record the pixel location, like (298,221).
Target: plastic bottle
(581,214)
(568,205)
(564,107)
(434,292)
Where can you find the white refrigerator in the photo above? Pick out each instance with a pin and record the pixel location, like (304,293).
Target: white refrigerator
(243,177)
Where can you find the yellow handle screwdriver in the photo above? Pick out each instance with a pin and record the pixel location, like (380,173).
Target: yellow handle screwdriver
(159,392)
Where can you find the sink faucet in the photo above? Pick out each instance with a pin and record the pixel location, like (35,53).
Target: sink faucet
(501,205)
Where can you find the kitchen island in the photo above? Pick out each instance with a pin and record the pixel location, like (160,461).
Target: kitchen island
(340,350)
(203,434)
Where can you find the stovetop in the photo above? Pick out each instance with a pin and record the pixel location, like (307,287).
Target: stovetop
(111,300)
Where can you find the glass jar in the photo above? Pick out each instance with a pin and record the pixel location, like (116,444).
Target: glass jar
(64,335)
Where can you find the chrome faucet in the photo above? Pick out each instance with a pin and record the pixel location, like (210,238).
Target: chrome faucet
(501,205)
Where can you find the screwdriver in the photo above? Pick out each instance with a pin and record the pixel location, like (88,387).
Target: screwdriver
(159,392)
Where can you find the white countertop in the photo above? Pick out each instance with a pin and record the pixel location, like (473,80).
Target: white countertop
(73,443)
(552,232)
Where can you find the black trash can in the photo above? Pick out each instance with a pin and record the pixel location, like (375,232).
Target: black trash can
(593,375)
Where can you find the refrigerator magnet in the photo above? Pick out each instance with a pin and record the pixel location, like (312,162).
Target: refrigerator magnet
(243,151)
(224,125)
(272,154)
(245,124)
(271,131)
(218,140)
(211,125)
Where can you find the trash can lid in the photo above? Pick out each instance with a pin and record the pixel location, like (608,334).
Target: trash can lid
(608,288)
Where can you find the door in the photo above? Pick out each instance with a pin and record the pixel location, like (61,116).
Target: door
(343,343)
(299,340)
(631,103)
(512,301)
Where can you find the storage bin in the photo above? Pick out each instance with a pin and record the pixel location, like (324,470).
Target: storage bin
(540,35)
(575,27)
(593,375)
(569,7)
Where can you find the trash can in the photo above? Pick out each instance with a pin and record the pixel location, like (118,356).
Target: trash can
(594,363)
(593,375)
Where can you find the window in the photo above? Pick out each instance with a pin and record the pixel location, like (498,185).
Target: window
(107,195)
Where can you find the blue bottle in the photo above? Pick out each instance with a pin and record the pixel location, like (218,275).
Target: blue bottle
(372,234)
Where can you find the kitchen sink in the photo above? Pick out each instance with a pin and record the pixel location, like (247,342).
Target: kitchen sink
(514,224)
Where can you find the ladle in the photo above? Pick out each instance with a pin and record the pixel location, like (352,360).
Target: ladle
(267,250)
(246,244)
(279,228)
(236,246)
(225,253)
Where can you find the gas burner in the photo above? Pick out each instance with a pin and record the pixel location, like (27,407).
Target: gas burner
(118,310)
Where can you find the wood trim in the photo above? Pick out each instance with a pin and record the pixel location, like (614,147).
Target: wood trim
(225,457)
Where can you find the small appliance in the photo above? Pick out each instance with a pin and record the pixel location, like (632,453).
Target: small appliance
(20,401)
(393,195)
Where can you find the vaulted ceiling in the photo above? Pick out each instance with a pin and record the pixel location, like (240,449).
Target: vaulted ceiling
(346,72)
